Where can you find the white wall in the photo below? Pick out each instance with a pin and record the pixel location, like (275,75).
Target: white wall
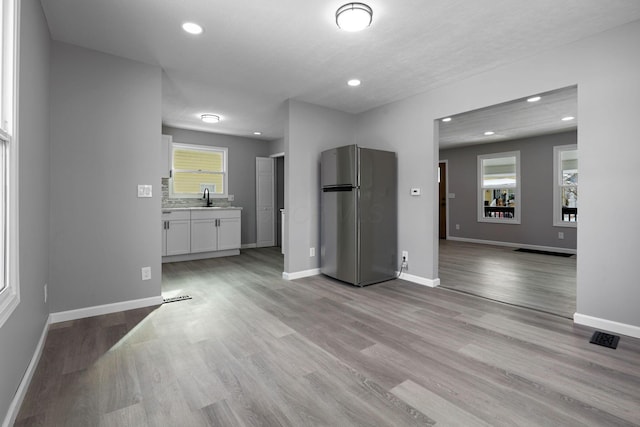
(105,136)
(606,69)
(310,130)
(20,334)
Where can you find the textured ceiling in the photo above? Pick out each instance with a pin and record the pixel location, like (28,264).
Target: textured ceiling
(512,120)
(256,54)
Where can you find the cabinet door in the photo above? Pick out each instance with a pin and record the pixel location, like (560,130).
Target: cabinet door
(178,239)
(165,158)
(164,237)
(229,233)
(204,235)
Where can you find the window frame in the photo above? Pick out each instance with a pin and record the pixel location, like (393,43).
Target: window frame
(209,148)
(517,189)
(9,37)
(557,185)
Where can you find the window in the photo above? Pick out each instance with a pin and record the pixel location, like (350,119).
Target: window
(499,188)
(9,285)
(196,168)
(565,186)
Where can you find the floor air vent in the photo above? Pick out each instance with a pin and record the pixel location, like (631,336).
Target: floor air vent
(605,340)
(176,299)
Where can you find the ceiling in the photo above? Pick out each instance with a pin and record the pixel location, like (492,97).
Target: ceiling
(254,55)
(512,120)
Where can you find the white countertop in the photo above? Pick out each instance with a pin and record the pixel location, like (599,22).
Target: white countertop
(202,208)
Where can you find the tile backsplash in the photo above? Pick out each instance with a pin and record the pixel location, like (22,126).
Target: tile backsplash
(168,202)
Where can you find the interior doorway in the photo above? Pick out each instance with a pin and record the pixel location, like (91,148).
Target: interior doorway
(478,253)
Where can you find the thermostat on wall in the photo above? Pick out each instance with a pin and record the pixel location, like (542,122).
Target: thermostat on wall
(415,191)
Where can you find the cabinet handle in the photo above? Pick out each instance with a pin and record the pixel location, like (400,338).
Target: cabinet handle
(168,225)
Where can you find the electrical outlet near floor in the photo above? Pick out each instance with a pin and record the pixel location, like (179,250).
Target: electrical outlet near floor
(457,226)
(560,235)
(312,251)
(146,273)
(405,256)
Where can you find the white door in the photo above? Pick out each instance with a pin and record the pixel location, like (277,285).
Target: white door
(265,202)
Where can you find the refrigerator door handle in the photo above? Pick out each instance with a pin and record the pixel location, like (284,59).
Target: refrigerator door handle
(336,189)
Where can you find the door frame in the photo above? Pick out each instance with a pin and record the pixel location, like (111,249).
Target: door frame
(446,178)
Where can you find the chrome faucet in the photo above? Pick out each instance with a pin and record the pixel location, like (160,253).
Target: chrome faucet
(206,195)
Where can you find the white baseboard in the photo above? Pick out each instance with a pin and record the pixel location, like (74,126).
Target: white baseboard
(432,283)
(63,316)
(514,245)
(18,398)
(607,325)
(300,274)
(248,246)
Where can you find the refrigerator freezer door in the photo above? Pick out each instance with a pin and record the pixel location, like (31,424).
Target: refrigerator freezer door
(338,250)
(339,167)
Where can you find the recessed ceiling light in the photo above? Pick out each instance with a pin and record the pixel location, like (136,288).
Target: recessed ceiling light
(354,82)
(566,119)
(446,119)
(257,133)
(534,99)
(354,16)
(489,133)
(192,28)
(210,118)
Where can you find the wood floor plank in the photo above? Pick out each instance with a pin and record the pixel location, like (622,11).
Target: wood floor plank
(252,349)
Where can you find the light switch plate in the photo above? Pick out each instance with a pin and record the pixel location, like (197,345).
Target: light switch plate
(144,190)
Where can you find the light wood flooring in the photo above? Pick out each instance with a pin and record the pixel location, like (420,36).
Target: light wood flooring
(251,349)
(541,282)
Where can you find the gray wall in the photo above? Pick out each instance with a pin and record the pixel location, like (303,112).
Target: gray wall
(605,69)
(536,173)
(105,136)
(242,169)
(20,334)
(276,146)
(309,130)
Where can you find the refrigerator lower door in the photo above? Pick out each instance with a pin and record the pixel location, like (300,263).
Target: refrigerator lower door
(338,236)
(378,216)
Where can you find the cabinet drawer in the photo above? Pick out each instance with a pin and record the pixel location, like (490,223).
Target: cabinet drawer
(215,213)
(175,215)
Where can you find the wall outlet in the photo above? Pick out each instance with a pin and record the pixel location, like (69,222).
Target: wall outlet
(457,226)
(144,190)
(405,256)
(560,235)
(231,197)
(146,273)
(312,251)
(45,293)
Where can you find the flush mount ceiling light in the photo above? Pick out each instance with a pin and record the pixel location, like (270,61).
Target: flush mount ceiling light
(210,118)
(446,119)
(257,133)
(534,99)
(568,118)
(354,82)
(489,133)
(354,16)
(192,28)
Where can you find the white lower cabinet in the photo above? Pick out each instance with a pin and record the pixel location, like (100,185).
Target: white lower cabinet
(199,231)
(215,230)
(176,233)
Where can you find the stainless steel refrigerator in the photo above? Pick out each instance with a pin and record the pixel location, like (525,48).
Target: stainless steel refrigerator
(358,225)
